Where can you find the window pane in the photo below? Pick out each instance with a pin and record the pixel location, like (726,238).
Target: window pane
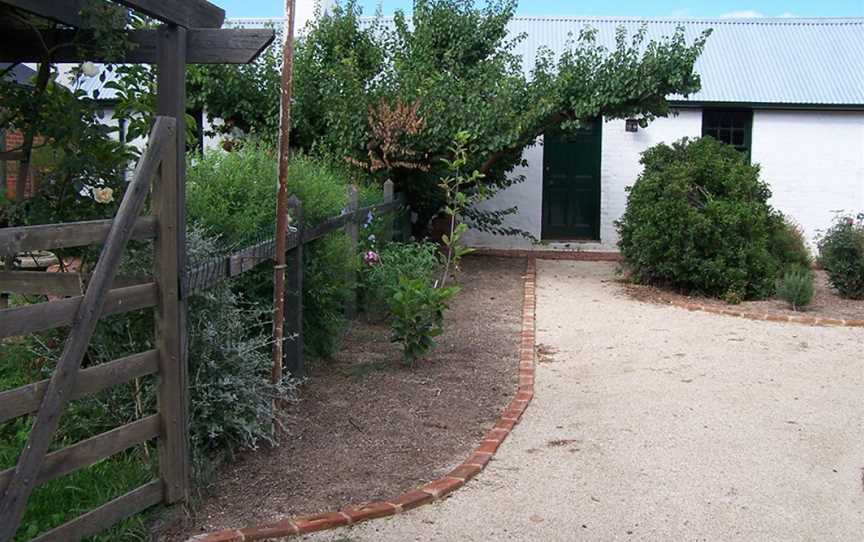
(738,137)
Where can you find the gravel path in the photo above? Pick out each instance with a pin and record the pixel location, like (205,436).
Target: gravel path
(654,423)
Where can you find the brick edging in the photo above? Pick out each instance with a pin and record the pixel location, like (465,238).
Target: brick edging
(436,489)
(806,320)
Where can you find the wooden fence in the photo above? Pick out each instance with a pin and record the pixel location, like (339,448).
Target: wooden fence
(204,276)
(108,294)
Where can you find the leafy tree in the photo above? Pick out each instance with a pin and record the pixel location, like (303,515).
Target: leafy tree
(455,65)
(244,96)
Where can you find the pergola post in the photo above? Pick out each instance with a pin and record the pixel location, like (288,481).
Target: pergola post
(169,200)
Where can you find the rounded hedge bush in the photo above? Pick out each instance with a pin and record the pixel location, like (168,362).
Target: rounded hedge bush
(698,220)
(841,254)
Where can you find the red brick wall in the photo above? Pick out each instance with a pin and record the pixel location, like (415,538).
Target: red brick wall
(14,140)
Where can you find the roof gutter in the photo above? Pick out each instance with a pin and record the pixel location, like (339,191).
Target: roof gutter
(765,105)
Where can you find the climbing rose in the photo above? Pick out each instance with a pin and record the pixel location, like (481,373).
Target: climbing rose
(371,257)
(103,195)
(89,69)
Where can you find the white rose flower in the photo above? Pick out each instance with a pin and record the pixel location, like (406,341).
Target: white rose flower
(103,195)
(89,69)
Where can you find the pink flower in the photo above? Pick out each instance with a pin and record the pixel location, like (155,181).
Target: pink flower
(371,257)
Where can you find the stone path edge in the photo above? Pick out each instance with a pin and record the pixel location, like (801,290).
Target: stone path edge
(806,320)
(437,489)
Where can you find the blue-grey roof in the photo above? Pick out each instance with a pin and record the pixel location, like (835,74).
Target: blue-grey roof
(19,73)
(766,61)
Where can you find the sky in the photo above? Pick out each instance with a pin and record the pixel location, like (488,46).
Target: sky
(629,8)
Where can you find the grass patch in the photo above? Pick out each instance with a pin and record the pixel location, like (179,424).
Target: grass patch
(56,502)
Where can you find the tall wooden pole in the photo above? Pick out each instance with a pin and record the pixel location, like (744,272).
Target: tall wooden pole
(282,197)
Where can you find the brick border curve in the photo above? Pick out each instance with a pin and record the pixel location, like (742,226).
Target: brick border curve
(805,320)
(436,489)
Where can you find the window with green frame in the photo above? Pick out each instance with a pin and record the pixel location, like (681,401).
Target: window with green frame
(732,126)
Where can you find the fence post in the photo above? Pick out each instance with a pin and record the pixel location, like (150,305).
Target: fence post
(404,218)
(169,206)
(389,223)
(294,361)
(353,231)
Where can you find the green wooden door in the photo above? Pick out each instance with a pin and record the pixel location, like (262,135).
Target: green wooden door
(571,184)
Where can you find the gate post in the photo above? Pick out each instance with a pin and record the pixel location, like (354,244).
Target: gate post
(169,206)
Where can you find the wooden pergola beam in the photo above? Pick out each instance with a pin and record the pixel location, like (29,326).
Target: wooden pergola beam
(66,12)
(205,46)
(185,13)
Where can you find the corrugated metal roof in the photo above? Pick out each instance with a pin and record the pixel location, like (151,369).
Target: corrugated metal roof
(771,61)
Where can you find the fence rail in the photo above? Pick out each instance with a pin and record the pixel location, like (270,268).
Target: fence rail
(204,276)
(69,234)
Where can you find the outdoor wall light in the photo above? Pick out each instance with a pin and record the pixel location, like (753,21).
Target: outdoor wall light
(631,125)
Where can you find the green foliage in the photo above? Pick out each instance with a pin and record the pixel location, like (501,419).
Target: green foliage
(417,315)
(335,70)
(796,287)
(328,263)
(244,96)
(457,201)
(73,152)
(231,394)
(841,254)
(379,279)
(232,195)
(456,63)
(789,244)
(49,505)
(698,219)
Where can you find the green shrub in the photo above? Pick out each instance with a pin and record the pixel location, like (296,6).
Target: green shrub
(326,291)
(417,315)
(841,254)
(329,263)
(231,396)
(789,244)
(232,195)
(796,287)
(380,275)
(698,219)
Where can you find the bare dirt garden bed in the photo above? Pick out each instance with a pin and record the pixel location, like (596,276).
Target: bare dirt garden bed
(826,304)
(369,428)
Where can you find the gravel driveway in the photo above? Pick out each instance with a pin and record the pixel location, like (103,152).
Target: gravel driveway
(654,423)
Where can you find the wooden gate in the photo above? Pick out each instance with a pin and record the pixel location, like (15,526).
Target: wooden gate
(49,398)
(190,33)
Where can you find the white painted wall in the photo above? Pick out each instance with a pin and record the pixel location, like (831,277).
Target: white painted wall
(619,166)
(618,170)
(814,163)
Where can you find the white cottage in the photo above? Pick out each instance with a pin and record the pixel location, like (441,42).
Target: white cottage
(789,91)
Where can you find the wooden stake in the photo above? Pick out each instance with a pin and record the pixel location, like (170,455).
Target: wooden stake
(282,197)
